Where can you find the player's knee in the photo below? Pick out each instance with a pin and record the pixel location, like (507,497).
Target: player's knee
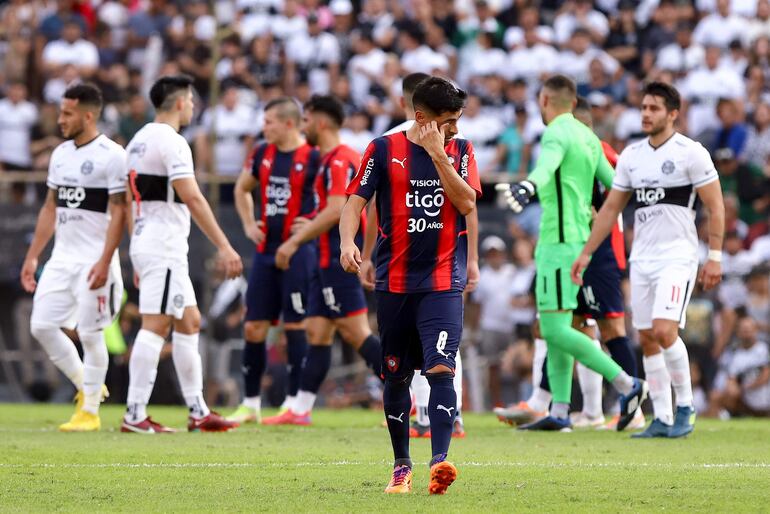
(399,381)
(353,335)
(95,348)
(439,368)
(665,334)
(41,331)
(612,328)
(648,342)
(255,331)
(190,322)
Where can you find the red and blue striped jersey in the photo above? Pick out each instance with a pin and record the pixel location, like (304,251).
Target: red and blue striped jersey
(337,170)
(419,243)
(613,248)
(286,181)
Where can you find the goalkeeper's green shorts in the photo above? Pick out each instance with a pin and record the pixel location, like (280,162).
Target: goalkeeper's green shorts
(554,290)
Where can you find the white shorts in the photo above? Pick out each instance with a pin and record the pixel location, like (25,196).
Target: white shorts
(661,290)
(164,285)
(63,297)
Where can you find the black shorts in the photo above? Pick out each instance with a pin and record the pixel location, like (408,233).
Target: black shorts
(601,296)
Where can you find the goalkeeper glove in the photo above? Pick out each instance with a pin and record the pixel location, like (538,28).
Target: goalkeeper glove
(518,194)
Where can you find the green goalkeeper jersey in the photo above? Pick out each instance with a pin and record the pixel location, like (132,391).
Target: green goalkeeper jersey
(571,157)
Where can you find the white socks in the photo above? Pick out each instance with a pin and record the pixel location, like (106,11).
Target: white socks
(421,391)
(540,398)
(288,403)
(61,351)
(95,363)
(303,402)
(678,364)
(659,382)
(189,371)
(591,387)
(142,369)
(253,402)
(458,382)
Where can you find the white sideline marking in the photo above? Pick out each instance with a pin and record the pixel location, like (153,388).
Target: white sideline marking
(546,465)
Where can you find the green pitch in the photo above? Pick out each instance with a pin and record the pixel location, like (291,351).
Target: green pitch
(343,463)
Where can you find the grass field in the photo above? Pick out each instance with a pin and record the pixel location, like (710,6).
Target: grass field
(343,462)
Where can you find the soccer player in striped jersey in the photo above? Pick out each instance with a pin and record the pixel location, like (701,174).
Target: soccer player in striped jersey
(284,168)
(85,208)
(336,300)
(426,183)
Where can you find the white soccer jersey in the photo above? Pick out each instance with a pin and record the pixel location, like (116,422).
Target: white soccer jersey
(83,178)
(157,156)
(663,181)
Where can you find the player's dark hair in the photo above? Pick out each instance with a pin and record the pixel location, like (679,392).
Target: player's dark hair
(328,105)
(164,92)
(409,84)
(287,108)
(87,95)
(667,92)
(438,96)
(561,83)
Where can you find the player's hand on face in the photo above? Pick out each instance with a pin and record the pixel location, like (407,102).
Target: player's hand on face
(367,275)
(97,276)
(710,275)
(432,138)
(28,270)
(298,223)
(350,258)
(256,232)
(230,261)
(473,276)
(517,195)
(578,267)
(284,254)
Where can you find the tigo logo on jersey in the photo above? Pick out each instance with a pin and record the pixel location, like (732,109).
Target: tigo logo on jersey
(72,196)
(650,196)
(367,171)
(431,203)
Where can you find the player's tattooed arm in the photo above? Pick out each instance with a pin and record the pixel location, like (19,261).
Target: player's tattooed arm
(711,196)
(100,271)
(44,230)
(608,215)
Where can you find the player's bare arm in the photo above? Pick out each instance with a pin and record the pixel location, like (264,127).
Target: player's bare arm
(711,196)
(607,218)
(244,205)
(350,220)
(472,224)
(462,196)
(370,241)
(98,274)
(44,231)
(190,194)
(311,229)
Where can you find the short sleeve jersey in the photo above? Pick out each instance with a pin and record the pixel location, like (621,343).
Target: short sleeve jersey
(418,242)
(663,182)
(286,189)
(82,178)
(158,156)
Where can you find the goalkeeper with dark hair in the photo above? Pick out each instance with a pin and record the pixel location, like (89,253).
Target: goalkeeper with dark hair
(570,159)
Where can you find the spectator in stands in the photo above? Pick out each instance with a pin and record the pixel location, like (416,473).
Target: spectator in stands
(576,59)
(683,54)
(733,132)
(357,131)
(759,25)
(746,182)
(483,130)
(720,28)
(581,13)
(17,117)
(494,299)
(313,57)
(510,146)
(71,50)
(758,143)
(624,41)
(743,384)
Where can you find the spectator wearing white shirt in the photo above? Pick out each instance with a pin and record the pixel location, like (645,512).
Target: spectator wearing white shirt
(532,60)
(576,59)
(683,55)
(702,88)
(742,386)
(364,66)
(313,58)
(529,20)
(483,129)
(481,59)
(419,57)
(71,50)
(290,23)
(721,27)
(493,298)
(629,122)
(580,13)
(17,117)
(356,133)
(759,25)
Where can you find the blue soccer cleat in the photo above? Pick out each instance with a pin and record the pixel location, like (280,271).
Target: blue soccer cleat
(683,422)
(630,402)
(656,429)
(549,423)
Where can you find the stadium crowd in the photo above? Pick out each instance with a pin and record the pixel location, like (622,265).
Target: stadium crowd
(244,53)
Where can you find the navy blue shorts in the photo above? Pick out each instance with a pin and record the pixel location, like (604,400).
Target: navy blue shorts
(419,330)
(275,294)
(335,294)
(601,296)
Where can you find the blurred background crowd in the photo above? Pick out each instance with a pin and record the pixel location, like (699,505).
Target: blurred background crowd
(243,53)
